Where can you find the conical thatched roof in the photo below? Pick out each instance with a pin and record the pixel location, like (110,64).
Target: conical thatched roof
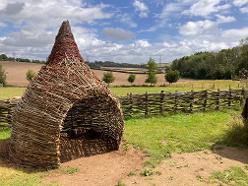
(66,111)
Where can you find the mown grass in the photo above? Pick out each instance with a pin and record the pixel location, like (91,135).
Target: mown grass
(233,176)
(10,92)
(4,134)
(15,177)
(159,137)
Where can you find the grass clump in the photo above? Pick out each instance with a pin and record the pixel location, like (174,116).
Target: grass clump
(146,172)
(233,176)
(5,133)
(120,183)
(237,135)
(70,170)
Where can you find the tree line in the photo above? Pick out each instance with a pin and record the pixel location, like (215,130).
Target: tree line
(4,57)
(225,64)
(93,65)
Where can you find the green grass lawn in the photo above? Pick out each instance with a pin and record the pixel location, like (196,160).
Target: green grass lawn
(10,92)
(161,136)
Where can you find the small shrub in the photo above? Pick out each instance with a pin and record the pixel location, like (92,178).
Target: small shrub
(30,75)
(172,76)
(152,70)
(2,76)
(108,77)
(131,78)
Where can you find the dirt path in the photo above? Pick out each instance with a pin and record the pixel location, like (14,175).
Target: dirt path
(100,170)
(182,169)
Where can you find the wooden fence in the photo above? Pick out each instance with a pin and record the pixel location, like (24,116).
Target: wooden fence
(135,105)
(144,105)
(6,108)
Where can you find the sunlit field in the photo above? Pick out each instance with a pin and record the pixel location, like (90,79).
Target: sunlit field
(10,92)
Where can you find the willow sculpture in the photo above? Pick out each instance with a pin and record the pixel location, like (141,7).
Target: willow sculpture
(66,111)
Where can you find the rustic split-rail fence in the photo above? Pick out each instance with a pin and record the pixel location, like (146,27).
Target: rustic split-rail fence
(163,103)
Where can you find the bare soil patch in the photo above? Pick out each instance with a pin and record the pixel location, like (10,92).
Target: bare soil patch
(191,168)
(100,170)
(126,166)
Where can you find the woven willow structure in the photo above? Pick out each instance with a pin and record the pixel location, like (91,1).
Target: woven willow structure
(66,111)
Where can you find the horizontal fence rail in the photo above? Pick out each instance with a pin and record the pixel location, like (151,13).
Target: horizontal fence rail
(144,105)
(136,105)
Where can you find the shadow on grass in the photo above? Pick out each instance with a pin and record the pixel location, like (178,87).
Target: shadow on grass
(234,144)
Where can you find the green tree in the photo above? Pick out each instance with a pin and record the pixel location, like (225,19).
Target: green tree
(152,70)
(30,75)
(2,76)
(131,78)
(3,57)
(172,76)
(108,77)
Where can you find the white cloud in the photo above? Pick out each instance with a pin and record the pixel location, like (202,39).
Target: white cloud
(244,9)
(126,19)
(236,33)
(206,7)
(225,19)
(118,34)
(141,8)
(36,24)
(242,5)
(170,8)
(240,2)
(195,28)
(142,43)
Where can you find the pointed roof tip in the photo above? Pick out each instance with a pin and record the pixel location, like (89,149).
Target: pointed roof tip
(65,30)
(64,46)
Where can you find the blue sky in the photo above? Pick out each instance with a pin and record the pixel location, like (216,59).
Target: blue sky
(123,30)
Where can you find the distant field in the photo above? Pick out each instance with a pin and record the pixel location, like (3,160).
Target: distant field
(10,92)
(16,74)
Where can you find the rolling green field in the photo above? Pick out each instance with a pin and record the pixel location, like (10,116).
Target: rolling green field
(10,92)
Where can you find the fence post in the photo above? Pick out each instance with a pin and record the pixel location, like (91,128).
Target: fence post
(131,103)
(242,99)
(146,105)
(229,97)
(175,101)
(218,100)
(205,100)
(191,101)
(162,102)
